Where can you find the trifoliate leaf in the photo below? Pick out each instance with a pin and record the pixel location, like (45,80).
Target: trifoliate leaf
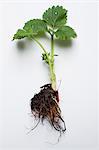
(55,16)
(35,26)
(21,34)
(65,33)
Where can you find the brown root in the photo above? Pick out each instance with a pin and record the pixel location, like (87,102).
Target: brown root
(44,105)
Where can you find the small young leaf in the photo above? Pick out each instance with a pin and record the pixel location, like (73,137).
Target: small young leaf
(65,33)
(55,16)
(21,34)
(44,57)
(35,26)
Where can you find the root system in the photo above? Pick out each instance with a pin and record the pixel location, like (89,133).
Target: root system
(44,105)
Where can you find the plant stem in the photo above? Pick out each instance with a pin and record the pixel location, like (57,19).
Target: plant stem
(50,60)
(41,47)
(51,64)
(39,44)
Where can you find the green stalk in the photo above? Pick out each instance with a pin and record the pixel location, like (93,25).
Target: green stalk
(51,64)
(41,46)
(50,60)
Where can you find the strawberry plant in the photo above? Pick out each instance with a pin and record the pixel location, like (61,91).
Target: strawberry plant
(45,104)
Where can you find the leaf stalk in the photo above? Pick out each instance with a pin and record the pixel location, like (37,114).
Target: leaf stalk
(50,60)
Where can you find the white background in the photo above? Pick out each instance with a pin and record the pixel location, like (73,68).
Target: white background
(22,73)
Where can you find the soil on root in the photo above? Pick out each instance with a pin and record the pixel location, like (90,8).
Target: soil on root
(44,105)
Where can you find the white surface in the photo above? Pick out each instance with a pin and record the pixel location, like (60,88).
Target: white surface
(22,73)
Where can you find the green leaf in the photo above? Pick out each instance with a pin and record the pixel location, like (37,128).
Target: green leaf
(35,26)
(21,34)
(55,16)
(65,33)
(44,57)
(31,28)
